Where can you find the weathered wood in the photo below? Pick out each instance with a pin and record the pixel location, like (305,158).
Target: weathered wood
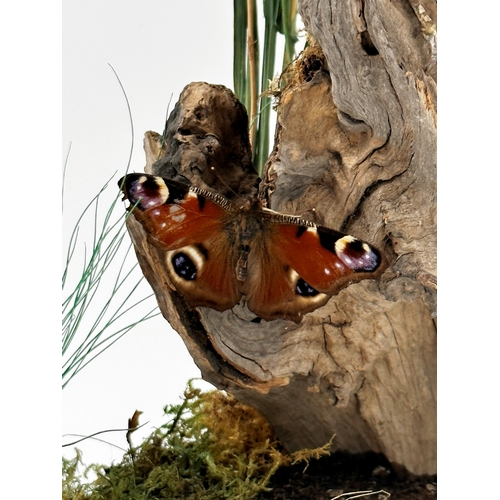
(206,142)
(354,150)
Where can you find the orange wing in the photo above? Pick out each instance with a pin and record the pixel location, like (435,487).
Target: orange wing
(293,266)
(297,266)
(194,233)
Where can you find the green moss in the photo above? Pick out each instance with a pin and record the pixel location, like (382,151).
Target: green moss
(73,486)
(213,447)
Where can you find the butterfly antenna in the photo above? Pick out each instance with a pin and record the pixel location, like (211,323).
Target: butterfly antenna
(222,181)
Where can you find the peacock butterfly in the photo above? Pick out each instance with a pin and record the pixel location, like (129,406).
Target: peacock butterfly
(216,251)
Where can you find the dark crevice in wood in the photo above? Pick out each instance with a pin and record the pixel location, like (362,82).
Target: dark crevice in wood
(240,355)
(367,44)
(311,65)
(366,194)
(348,119)
(365,38)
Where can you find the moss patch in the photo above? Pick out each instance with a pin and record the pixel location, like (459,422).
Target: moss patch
(213,447)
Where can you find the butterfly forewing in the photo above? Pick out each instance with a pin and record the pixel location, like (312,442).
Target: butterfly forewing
(324,258)
(272,285)
(172,214)
(193,234)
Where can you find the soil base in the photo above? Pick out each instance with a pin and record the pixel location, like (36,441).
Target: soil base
(341,473)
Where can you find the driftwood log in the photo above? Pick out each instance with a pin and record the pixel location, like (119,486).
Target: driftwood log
(355,151)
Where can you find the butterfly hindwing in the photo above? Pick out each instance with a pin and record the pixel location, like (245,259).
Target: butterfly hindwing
(272,286)
(192,235)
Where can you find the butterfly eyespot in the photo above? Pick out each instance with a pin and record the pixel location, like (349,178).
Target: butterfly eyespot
(183,266)
(304,289)
(357,255)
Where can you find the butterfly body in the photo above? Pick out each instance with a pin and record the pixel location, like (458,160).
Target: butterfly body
(216,251)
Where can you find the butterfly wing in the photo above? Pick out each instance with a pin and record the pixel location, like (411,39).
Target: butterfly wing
(194,233)
(297,266)
(293,266)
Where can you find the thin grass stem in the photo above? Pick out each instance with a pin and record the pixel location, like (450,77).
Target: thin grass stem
(85,299)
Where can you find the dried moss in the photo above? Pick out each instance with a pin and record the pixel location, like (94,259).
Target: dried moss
(74,487)
(301,70)
(213,447)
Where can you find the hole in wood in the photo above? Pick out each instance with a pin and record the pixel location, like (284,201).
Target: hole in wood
(367,44)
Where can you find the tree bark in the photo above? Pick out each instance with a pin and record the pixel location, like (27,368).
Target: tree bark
(355,151)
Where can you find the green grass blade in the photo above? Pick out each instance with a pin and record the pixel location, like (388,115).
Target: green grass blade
(119,303)
(87,298)
(261,150)
(240,50)
(288,27)
(280,17)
